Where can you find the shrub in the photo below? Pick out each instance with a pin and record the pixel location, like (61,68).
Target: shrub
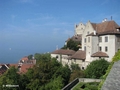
(96,69)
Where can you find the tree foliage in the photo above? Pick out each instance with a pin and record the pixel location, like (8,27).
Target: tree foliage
(116,56)
(11,77)
(30,57)
(76,72)
(96,69)
(72,45)
(47,74)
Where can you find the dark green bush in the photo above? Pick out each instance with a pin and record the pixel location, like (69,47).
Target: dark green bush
(96,69)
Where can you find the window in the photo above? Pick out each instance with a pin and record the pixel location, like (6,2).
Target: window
(106,49)
(100,39)
(106,39)
(56,56)
(100,48)
(87,32)
(83,60)
(85,40)
(88,39)
(75,60)
(118,39)
(84,48)
(83,68)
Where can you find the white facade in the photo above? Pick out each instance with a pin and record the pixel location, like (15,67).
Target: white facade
(93,41)
(79,29)
(87,42)
(110,46)
(62,58)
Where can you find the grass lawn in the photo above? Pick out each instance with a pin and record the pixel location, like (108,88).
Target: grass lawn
(86,86)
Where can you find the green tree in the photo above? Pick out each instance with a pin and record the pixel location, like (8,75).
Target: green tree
(43,72)
(74,67)
(96,69)
(43,57)
(55,84)
(72,45)
(30,57)
(64,72)
(10,77)
(76,72)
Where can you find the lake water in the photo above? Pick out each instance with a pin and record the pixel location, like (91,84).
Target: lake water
(13,55)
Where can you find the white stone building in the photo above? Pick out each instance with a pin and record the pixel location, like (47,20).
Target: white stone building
(99,40)
(63,55)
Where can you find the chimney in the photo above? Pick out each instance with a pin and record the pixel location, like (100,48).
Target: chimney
(105,19)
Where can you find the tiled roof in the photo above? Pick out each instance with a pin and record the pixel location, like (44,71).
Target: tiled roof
(64,52)
(93,25)
(99,54)
(76,38)
(28,61)
(67,39)
(25,58)
(15,65)
(3,68)
(79,55)
(106,27)
(25,67)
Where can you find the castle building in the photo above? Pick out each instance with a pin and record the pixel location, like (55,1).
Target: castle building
(99,40)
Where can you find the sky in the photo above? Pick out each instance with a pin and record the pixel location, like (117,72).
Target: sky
(43,25)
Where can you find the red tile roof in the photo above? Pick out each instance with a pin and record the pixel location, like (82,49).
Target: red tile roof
(15,65)
(25,67)
(64,52)
(99,54)
(25,58)
(79,55)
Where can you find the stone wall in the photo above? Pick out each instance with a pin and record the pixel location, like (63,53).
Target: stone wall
(112,81)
